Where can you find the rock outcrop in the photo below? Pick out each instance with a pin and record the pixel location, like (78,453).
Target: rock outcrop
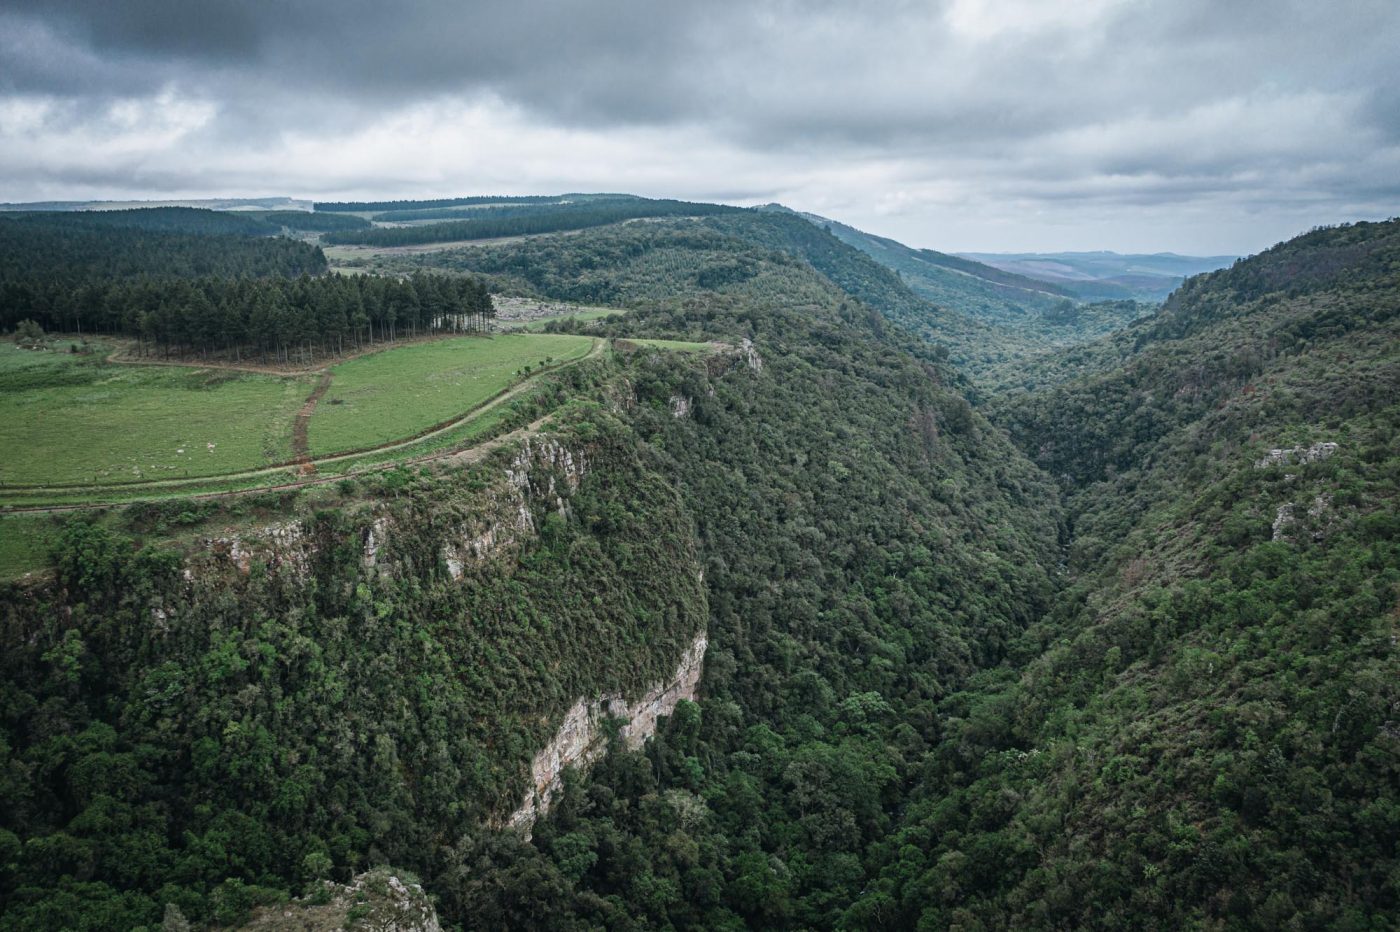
(1297,456)
(581,740)
(541,475)
(1320,519)
(375,901)
(283,546)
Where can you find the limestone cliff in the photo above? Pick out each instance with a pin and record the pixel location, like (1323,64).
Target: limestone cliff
(581,740)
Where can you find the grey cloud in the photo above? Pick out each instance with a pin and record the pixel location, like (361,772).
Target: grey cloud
(1094,100)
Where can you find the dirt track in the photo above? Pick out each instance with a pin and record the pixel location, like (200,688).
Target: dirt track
(301,449)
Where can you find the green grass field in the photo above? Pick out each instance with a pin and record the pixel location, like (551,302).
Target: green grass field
(400,392)
(24,543)
(72,419)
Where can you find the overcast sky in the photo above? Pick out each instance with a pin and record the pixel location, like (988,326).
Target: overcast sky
(1197,126)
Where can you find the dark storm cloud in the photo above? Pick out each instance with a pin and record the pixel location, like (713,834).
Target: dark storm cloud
(607,62)
(773,72)
(1109,101)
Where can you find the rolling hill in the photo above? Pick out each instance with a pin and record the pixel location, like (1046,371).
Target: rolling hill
(837,637)
(1097,276)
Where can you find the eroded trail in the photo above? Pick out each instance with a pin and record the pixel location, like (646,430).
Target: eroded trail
(301,448)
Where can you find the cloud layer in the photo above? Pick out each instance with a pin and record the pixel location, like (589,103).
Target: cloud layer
(966,124)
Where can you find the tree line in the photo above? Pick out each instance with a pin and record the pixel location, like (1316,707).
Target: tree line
(270,318)
(565,217)
(357,206)
(492,212)
(195,220)
(57,248)
(315,223)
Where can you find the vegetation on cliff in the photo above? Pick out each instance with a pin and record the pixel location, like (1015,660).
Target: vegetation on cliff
(1112,647)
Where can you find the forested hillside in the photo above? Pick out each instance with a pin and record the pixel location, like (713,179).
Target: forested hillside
(1112,647)
(1199,728)
(526,220)
(200,281)
(974,289)
(43,250)
(193,220)
(1205,730)
(860,535)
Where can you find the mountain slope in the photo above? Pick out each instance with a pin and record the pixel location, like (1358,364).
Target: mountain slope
(364,675)
(1206,730)
(973,288)
(991,325)
(1098,276)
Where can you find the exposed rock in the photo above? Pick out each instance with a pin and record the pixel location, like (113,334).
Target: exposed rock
(1300,456)
(375,538)
(282,546)
(455,567)
(580,740)
(1320,518)
(534,476)
(751,357)
(376,901)
(680,406)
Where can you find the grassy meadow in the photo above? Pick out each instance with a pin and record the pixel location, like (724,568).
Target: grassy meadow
(539,323)
(400,392)
(68,419)
(679,346)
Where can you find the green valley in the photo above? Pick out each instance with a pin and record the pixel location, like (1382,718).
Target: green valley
(753,588)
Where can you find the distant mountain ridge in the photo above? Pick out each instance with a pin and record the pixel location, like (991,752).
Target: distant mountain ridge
(208,203)
(1104,274)
(975,289)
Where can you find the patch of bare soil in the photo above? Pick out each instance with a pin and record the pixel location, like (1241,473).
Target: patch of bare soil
(301,448)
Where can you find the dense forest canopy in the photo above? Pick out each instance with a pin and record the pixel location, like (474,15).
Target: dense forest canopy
(270,315)
(194,220)
(315,222)
(548,220)
(46,249)
(370,206)
(1107,641)
(483,212)
(128,273)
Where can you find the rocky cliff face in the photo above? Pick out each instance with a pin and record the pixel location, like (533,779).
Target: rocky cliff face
(540,477)
(581,740)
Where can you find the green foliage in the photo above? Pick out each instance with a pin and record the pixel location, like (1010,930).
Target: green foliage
(212,741)
(371,206)
(40,250)
(944,688)
(189,220)
(405,391)
(312,222)
(283,318)
(28,333)
(527,221)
